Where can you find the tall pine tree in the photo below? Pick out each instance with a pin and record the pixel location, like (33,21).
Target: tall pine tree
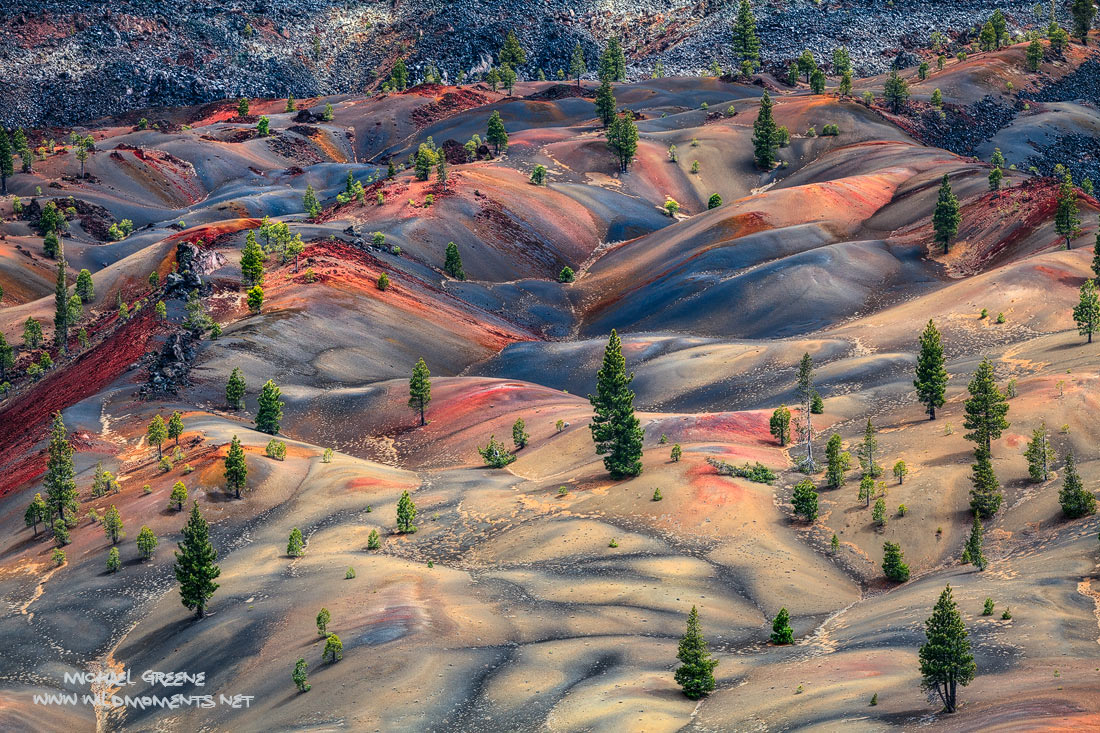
(1087,311)
(60,480)
(1067,221)
(931,381)
(945,660)
(270,414)
(986,408)
(985,493)
(61,304)
(236,468)
(615,429)
(746,45)
(946,217)
(696,673)
(195,564)
(420,389)
(765,135)
(1075,500)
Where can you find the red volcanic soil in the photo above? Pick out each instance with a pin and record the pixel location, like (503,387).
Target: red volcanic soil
(162,167)
(23,421)
(448,102)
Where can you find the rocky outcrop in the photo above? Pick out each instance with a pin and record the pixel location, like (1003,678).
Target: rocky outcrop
(66,61)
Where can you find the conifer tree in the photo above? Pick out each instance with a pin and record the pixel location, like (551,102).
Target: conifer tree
(511,52)
(519,434)
(1083,12)
(112,525)
(496,135)
(1067,222)
(1096,257)
(252,261)
(746,44)
(615,429)
(7,358)
(945,660)
(420,389)
(780,425)
(157,434)
(695,675)
(399,76)
(622,139)
(973,551)
(896,92)
(765,135)
(452,262)
(1075,500)
(605,102)
(61,305)
(577,67)
(7,164)
(37,511)
(295,546)
(946,217)
(310,203)
(234,389)
(236,468)
(32,333)
(986,408)
(334,649)
(836,462)
(782,633)
(299,676)
(178,495)
(1034,54)
(804,500)
(805,392)
(893,562)
(175,427)
(60,480)
(195,566)
(1040,454)
(270,412)
(114,562)
(406,513)
(146,542)
(867,450)
(85,288)
(931,377)
(324,618)
(985,494)
(1087,311)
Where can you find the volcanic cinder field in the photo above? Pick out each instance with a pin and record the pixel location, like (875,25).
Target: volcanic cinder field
(547,595)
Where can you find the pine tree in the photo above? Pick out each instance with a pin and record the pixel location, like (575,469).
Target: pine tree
(270,412)
(7,164)
(985,494)
(236,468)
(780,425)
(441,171)
(511,52)
(406,513)
(519,434)
(1087,310)
(7,358)
(931,377)
(112,525)
(310,203)
(289,103)
(893,562)
(195,564)
(896,92)
(242,107)
(496,135)
(85,288)
(836,462)
(986,408)
(60,481)
(622,139)
(420,389)
(324,618)
(973,551)
(252,261)
(804,500)
(945,660)
(334,649)
(615,429)
(1083,12)
(1067,222)
(37,511)
(765,135)
(1034,54)
(234,389)
(695,675)
(178,495)
(946,217)
(605,102)
(1096,257)
(867,451)
(746,44)
(577,67)
(782,633)
(146,542)
(1040,454)
(1075,500)
(805,391)
(295,546)
(299,676)
(114,562)
(399,76)
(157,434)
(452,262)
(61,305)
